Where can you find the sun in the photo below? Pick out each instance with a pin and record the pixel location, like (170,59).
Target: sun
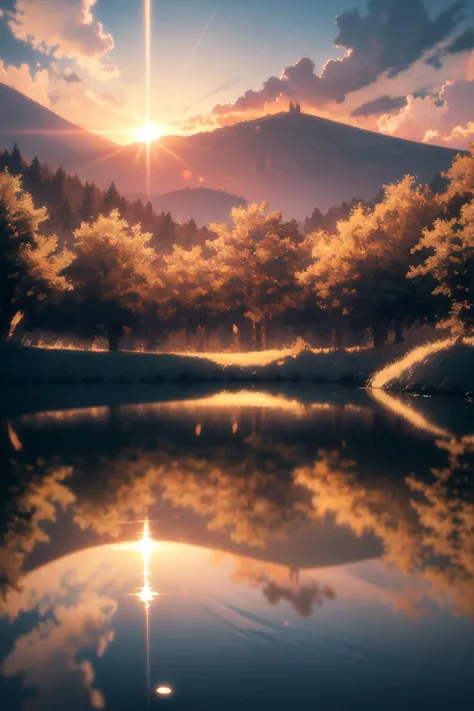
(147,133)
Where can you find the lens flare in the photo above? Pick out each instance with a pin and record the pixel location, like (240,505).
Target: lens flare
(147,133)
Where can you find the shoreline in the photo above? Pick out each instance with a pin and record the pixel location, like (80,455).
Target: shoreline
(439,368)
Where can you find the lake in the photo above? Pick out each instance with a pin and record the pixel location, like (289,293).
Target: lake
(287,548)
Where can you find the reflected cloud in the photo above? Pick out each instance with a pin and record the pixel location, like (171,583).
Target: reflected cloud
(70,619)
(303,599)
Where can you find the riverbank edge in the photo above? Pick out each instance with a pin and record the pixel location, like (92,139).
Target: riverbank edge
(441,367)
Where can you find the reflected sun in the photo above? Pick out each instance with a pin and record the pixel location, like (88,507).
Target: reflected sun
(147,133)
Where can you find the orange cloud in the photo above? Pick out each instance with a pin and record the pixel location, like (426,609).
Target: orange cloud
(35,86)
(446,121)
(65,29)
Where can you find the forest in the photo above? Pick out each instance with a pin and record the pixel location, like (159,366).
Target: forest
(78,262)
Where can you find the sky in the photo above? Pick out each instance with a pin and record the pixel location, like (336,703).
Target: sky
(400,67)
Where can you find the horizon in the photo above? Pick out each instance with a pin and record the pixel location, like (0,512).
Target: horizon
(80,60)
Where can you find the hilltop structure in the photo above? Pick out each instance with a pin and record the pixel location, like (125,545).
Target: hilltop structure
(295,108)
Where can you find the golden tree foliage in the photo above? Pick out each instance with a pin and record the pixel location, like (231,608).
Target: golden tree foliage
(31,264)
(187,277)
(114,259)
(115,271)
(362,268)
(450,244)
(461,174)
(254,262)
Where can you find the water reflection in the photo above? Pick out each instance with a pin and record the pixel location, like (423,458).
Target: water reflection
(263,513)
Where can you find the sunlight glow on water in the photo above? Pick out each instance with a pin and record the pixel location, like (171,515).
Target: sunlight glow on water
(164,690)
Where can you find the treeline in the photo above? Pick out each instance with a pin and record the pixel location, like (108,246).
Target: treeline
(70,201)
(407,259)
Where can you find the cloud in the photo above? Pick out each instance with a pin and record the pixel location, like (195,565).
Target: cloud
(69,97)
(71,620)
(385,61)
(462,43)
(448,121)
(65,29)
(21,78)
(72,78)
(389,39)
(303,599)
(382,105)
(109,98)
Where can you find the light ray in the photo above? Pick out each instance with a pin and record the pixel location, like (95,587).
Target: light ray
(147,59)
(102,159)
(146,595)
(148,88)
(203,34)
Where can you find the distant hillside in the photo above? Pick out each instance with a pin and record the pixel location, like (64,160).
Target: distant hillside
(69,202)
(42,133)
(202,204)
(294,162)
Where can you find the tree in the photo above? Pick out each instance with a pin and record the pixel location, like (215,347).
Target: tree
(188,288)
(138,211)
(31,264)
(34,174)
(113,274)
(192,226)
(361,271)
(450,244)
(461,175)
(86,209)
(16,164)
(253,265)
(112,200)
(58,184)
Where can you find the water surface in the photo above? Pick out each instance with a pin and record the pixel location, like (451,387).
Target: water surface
(259,549)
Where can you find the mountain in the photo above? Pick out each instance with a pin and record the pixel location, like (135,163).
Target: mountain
(202,204)
(295,162)
(42,133)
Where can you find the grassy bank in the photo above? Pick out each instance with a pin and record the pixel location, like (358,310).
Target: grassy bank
(441,367)
(20,364)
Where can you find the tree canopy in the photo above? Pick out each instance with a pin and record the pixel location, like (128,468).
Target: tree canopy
(32,264)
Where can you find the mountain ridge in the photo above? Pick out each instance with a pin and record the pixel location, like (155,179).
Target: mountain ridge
(294,162)
(41,132)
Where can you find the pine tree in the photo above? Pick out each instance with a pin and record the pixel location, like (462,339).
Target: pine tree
(34,174)
(16,164)
(65,214)
(58,185)
(192,226)
(111,199)
(86,209)
(138,211)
